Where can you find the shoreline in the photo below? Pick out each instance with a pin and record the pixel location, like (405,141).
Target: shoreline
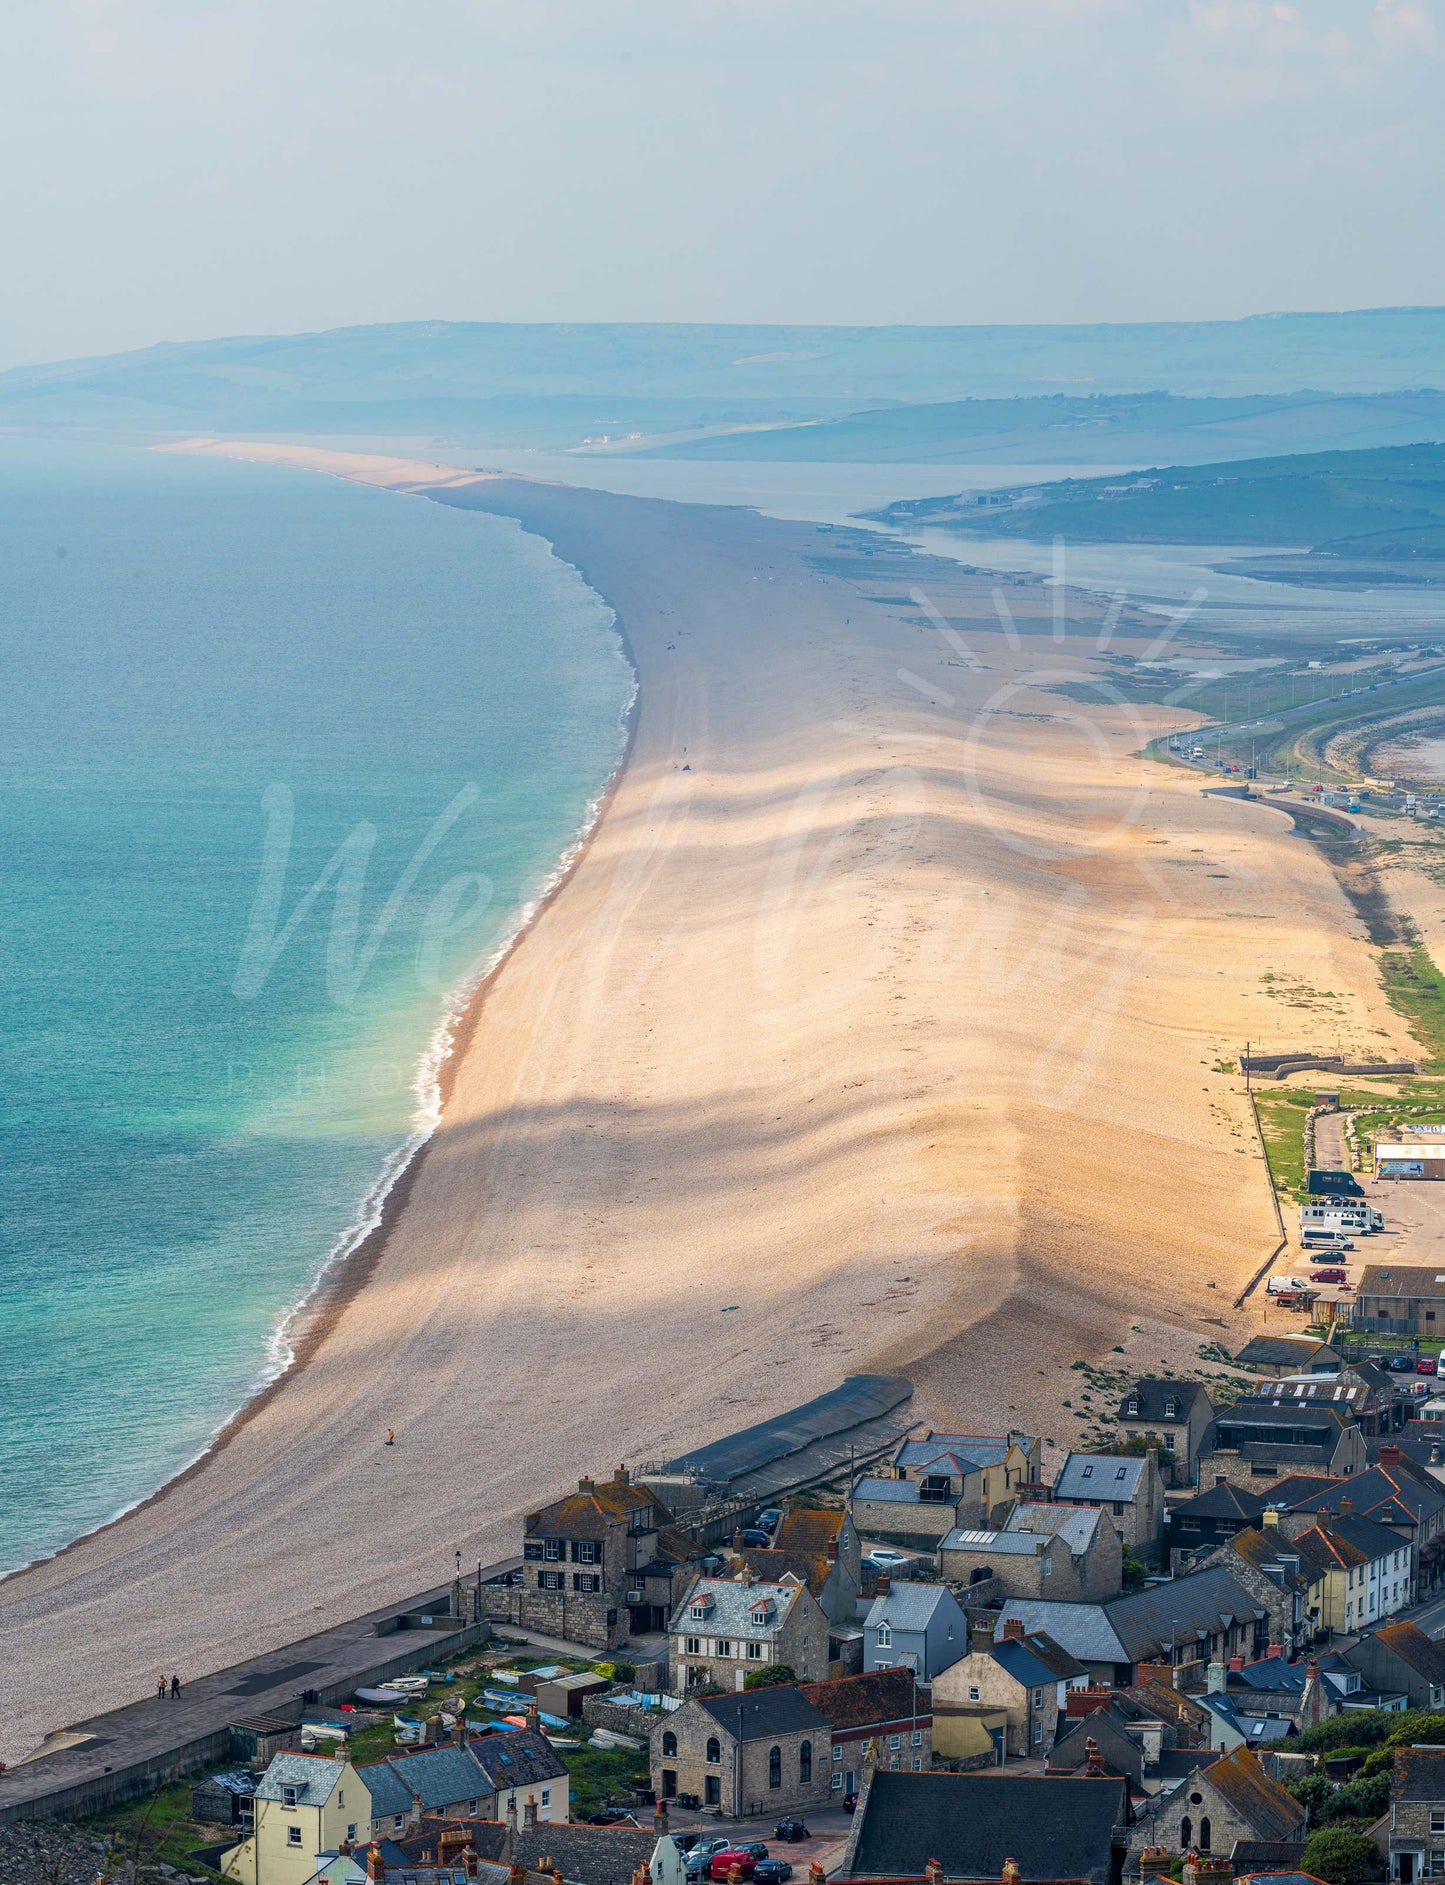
(343,1275)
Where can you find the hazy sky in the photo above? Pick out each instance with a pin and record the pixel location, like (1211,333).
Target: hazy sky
(184,168)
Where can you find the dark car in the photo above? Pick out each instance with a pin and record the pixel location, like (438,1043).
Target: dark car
(772,1872)
(850,1800)
(611,1816)
(770,1520)
(790,1829)
(754,1540)
(730,1856)
(755,1847)
(1402,1364)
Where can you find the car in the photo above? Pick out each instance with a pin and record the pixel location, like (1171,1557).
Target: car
(1328,1276)
(850,1802)
(884,1559)
(754,1846)
(699,1860)
(791,1830)
(685,1841)
(770,1520)
(754,1540)
(611,1816)
(1426,1365)
(730,1856)
(1402,1364)
(772,1872)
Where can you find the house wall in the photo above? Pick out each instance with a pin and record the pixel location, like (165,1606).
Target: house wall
(913,1524)
(1417,1827)
(1365,1593)
(800,1641)
(1139,1522)
(977,1681)
(1047,1573)
(1383,1670)
(1260,1468)
(1197,1803)
(741,1778)
(269,1857)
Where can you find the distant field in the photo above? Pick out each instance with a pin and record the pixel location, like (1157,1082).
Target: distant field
(1387,503)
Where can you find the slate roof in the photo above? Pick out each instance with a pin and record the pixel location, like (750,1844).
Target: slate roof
(1118,1749)
(593,1510)
(1402,1281)
(1251,1856)
(585,1855)
(1055,1828)
(1076,1525)
(517,1759)
(781,1709)
(1226,1502)
(1267,1412)
(312,1775)
(909,1606)
(1416,1650)
(1179,1763)
(1035,1660)
(770,1567)
(1153,1394)
(1394,1495)
(980,1449)
(1353,1540)
(858,1701)
(899,1491)
(939,1456)
(807,1528)
(1259,1800)
(736,1609)
(1419,1776)
(1087,1476)
(1285,1351)
(1134,1628)
(441,1776)
(997,1544)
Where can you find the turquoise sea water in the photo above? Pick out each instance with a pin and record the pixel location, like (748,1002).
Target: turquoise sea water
(216,682)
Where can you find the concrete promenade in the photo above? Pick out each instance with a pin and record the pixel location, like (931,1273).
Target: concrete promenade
(131,1750)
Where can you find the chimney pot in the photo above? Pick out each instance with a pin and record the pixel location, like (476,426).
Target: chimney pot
(1236,1663)
(1275,1650)
(1011,1874)
(1013,1630)
(884,1585)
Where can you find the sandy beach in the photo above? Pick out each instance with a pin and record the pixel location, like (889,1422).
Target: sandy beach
(875,1027)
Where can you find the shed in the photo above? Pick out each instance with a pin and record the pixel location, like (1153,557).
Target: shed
(564,1695)
(225,1799)
(256,1739)
(1412,1158)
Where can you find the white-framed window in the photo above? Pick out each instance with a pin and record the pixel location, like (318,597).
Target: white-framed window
(885,1636)
(293,1835)
(698,1612)
(755,1652)
(973,1691)
(724,1647)
(552,1549)
(1038,1728)
(546,1796)
(351,1832)
(895,1741)
(837,1754)
(692,1645)
(1437,1819)
(836,1783)
(586,1551)
(1171,1410)
(472,1808)
(288,1796)
(398,1821)
(918,1737)
(1038,1698)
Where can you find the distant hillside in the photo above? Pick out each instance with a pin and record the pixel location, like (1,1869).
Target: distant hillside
(1107,429)
(1384,504)
(468,379)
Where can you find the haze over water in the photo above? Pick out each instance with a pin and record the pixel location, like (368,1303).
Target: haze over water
(190,1127)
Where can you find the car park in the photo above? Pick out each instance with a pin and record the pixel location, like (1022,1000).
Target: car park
(1402,1364)
(772,1872)
(1328,1276)
(699,1860)
(755,1847)
(723,1863)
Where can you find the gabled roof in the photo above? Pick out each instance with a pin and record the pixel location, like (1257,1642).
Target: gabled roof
(1226,1501)
(1252,1856)
(1266,1411)
(1416,1650)
(1401,1494)
(1352,1540)
(1100,1476)
(750,1612)
(1285,1351)
(1425,1281)
(1152,1394)
(805,1528)
(312,1775)
(585,1855)
(1258,1799)
(517,1759)
(754,1713)
(1076,1526)
(1035,1660)
(937,1456)
(858,1701)
(897,1491)
(911,1606)
(1054,1828)
(1133,1628)
(595,1507)
(983,1449)
(1419,1776)
(1119,1751)
(438,1776)
(771,1567)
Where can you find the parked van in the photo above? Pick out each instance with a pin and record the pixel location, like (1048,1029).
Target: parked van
(1333,1184)
(1341,1217)
(1284,1285)
(1326,1240)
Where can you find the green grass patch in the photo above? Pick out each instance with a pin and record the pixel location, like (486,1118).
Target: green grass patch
(1415,989)
(160,1829)
(599,1775)
(1282,1123)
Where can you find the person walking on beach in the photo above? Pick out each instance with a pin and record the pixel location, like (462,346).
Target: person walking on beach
(391,1436)
(160,1688)
(175,1688)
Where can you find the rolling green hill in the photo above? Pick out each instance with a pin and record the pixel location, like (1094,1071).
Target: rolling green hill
(1383,504)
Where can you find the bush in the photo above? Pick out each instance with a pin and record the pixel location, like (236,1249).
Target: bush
(1382,1761)
(1341,1856)
(1418,1726)
(1360,1800)
(1366,1728)
(775,1672)
(1315,1792)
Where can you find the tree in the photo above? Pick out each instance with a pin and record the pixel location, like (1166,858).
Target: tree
(1341,1857)
(775,1672)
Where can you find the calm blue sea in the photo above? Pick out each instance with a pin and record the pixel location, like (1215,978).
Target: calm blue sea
(221,684)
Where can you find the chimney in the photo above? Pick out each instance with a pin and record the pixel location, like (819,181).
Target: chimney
(1274,1651)
(883,1586)
(816,1874)
(471,1861)
(1236,1663)
(737,1541)
(587,1487)
(509,1840)
(1389,1455)
(622,1476)
(1347,1506)
(659,1817)
(344,1850)
(1093,1770)
(375,1864)
(933,1872)
(1013,1630)
(1215,1679)
(1011,1873)
(416,1809)
(1270,1518)
(533,1717)
(529,1816)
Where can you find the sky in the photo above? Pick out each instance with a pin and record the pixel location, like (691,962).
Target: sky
(181,169)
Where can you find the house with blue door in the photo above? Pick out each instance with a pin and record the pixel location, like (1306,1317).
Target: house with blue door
(915,1626)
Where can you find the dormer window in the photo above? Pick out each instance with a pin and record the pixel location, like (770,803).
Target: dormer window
(699,1610)
(885,1636)
(1171,1410)
(1131,1406)
(288,1796)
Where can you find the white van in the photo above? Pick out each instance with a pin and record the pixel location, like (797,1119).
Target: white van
(1326,1240)
(1342,1216)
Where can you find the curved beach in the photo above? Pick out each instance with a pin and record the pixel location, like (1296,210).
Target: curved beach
(879,1013)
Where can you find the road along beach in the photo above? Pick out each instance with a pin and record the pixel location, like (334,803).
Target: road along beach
(874,1027)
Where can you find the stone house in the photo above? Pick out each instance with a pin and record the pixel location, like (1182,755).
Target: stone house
(305,1804)
(1023,1674)
(1399,1658)
(1395,1492)
(819,1548)
(1233,1798)
(1280,1575)
(1126,1486)
(763,1751)
(1280,1355)
(1414,1829)
(600,1564)
(1365,1572)
(914,1626)
(519,1771)
(1258,1441)
(941,1483)
(1070,1552)
(727,1626)
(885,1707)
(1176,1414)
(1210,1519)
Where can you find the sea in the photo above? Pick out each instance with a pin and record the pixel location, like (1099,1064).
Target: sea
(284,763)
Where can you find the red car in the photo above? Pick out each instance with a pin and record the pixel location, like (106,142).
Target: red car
(723,1863)
(1328,1276)
(1426,1365)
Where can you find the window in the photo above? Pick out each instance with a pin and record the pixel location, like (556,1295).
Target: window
(885,1636)
(586,1551)
(712,1791)
(805,1763)
(1131,1406)
(588,1582)
(692,1645)
(1171,1410)
(551,1580)
(351,1832)
(714,1749)
(917,1737)
(1122,1473)
(288,1796)
(755,1652)
(775,1767)
(1204,1833)
(669,1746)
(341,1797)
(1186,1833)
(1437,1819)
(1038,1728)
(836,1783)
(1038,1698)
(1088,1472)
(698,1612)
(895,1741)
(1119,1505)
(724,1647)
(934,1489)
(293,1835)
(546,1796)
(973,1691)
(837,1754)
(398,1822)
(552,1549)
(472,1808)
